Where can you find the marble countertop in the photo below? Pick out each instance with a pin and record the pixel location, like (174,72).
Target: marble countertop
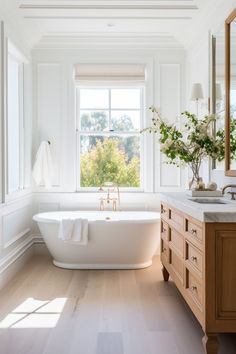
(202,212)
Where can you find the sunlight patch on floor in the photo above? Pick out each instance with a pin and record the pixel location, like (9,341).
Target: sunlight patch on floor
(33,313)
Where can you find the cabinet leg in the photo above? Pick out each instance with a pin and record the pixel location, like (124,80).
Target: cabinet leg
(165,273)
(210,343)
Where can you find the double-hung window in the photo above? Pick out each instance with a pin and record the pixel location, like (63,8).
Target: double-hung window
(15,126)
(109,119)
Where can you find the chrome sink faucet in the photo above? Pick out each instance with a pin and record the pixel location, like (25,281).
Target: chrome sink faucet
(231,193)
(105,201)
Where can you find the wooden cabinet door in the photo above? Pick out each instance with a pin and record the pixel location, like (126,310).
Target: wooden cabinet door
(221,277)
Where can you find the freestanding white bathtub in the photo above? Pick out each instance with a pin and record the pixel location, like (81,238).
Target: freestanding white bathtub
(116,240)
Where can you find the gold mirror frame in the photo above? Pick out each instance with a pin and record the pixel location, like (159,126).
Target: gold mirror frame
(213,90)
(228,21)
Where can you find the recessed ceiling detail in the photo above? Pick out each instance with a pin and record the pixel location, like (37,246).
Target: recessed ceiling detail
(118,19)
(77,9)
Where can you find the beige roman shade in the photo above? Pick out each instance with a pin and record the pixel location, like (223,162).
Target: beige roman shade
(109,72)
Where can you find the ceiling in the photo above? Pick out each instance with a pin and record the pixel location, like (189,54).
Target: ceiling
(164,22)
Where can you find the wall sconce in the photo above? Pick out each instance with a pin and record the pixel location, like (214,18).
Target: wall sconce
(196,94)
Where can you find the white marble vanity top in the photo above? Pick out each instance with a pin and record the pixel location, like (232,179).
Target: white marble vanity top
(202,212)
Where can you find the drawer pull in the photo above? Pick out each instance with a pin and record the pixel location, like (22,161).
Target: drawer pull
(194,288)
(164,249)
(193,231)
(164,230)
(163,211)
(194,259)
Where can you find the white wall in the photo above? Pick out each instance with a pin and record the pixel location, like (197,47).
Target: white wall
(199,70)
(54,119)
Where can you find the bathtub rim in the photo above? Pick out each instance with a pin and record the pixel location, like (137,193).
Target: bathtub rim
(40,219)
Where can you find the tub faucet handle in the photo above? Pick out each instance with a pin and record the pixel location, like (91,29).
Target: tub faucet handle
(102,204)
(114,204)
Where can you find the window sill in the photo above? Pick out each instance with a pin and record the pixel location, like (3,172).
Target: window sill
(122,190)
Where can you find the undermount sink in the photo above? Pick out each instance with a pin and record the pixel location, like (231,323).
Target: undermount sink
(208,201)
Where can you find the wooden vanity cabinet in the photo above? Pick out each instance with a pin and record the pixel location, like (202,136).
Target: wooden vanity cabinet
(201,259)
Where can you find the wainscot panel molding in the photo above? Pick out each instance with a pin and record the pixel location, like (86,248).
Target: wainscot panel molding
(13,261)
(170,78)
(15,230)
(15,225)
(44,202)
(44,207)
(170,110)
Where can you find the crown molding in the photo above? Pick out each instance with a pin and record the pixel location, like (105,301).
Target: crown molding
(107,7)
(94,41)
(175,18)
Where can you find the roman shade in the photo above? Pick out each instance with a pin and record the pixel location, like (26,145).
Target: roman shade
(109,72)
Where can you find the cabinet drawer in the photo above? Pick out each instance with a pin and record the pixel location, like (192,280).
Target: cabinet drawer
(194,257)
(164,231)
(176,219)
(176,241)
(193,230)
(194,288)
(177,265)
(164,251)
(164,212)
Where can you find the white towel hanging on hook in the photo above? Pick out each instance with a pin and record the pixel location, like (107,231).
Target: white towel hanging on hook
(43,166)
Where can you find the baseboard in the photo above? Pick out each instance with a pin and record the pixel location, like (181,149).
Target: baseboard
(15,260)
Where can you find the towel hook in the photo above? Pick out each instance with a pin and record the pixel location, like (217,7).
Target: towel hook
(49,142)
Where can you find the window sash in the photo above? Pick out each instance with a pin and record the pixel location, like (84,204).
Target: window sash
(108,133)
(20,118)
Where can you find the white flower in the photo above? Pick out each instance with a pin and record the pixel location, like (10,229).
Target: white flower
(168,143)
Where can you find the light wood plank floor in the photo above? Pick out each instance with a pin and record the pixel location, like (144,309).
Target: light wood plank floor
(47,310)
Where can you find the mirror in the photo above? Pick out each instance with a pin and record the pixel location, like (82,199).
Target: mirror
(230,91)
(218,84)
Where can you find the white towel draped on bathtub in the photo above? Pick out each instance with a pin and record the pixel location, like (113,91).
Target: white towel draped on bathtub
(43,166)
(74,230)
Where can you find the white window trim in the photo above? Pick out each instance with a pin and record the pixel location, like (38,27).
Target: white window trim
(2,111)
(21,191)
(112,85)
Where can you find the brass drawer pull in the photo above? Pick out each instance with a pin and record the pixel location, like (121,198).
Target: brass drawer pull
(194,288)
(194,259)
(193,231)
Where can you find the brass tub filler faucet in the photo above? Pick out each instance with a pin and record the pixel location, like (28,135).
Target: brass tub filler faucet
(110,188)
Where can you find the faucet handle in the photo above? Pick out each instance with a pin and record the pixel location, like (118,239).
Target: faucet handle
(101,204)
(114,204)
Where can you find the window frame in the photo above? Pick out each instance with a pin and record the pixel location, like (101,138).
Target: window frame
(79,133)
(16,56)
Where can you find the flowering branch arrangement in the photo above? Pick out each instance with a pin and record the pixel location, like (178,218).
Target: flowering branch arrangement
(193,143)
